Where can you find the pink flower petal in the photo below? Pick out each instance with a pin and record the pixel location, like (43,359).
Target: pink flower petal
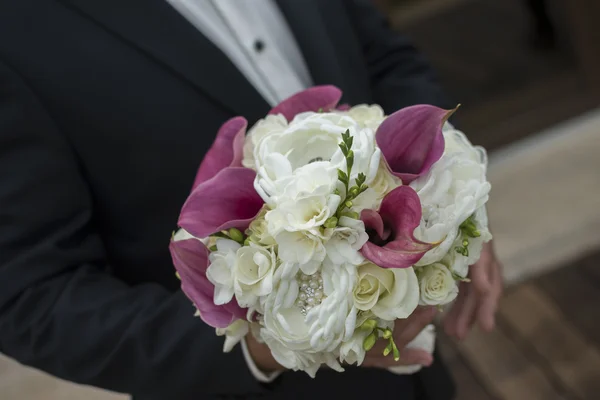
(313,99)
(190,258)
(226,150)
(373,221)
(228,200)
(400,212)
(411,140)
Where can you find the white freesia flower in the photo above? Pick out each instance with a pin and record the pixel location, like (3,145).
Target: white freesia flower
(346,240)
(302,249)
(305,201)
(438,286)
(302,214)
(234,333)
(450,193)
(220,272)
(389,293)
(352,351)
(458,263)
(267,126)
(253,273)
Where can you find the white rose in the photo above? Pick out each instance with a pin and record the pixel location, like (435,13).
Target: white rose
(389,293)
(438,286)
(258,231)
(346,240)
(450,193)
(368,116)
(234,333)
(383,183)
(253,273)
(264,127)
(220,272)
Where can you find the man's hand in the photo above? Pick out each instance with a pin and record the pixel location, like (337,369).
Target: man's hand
(405,330)
(477,300)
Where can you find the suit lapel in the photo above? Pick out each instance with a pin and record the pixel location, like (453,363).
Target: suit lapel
(318,37)
(158,30)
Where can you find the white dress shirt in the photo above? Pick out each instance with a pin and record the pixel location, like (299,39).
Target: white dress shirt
(256,38)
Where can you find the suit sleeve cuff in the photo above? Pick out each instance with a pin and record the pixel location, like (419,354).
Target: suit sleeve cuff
(257,373)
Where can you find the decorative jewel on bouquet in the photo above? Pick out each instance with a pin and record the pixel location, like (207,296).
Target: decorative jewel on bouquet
(323,225)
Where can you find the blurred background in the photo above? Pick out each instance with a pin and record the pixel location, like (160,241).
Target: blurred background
(527,73)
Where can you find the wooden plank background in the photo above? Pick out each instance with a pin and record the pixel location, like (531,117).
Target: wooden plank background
(546,345)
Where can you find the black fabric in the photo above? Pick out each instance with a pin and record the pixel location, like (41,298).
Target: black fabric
(106,109)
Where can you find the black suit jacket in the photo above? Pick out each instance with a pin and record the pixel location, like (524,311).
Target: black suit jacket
(106,109)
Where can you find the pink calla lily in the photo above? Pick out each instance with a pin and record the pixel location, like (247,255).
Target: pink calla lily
(391,241)
(190,258)
(411,140)
(228,200)
(226,150)
(313,99)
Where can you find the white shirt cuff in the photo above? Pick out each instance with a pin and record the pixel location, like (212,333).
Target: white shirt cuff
(424,341)
(258,374)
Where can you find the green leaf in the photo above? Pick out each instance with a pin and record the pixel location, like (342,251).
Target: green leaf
(342,176)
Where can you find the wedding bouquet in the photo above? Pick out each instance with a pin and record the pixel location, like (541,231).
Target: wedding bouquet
(319,228)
